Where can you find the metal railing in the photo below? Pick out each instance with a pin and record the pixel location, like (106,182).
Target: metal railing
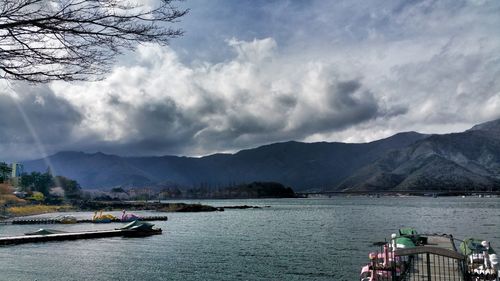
(423,263)
(432,264)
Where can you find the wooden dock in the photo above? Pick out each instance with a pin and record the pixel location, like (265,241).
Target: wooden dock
(59,221)
(23,239)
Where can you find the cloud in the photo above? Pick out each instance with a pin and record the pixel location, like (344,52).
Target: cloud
(33,117)
(159,105)
(258,72)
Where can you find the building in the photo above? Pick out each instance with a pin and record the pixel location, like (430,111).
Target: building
(17,170)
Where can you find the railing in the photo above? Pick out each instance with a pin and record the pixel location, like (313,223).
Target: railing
(432,264)
(425,263)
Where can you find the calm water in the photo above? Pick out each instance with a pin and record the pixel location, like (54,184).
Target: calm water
(294,239)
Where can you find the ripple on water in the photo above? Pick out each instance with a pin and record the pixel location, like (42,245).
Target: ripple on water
(295,239)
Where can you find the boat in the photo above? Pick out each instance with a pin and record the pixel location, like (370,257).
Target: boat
(409,255)
(103,218)
(384,264)
(139,229)
(408,237)
(129,217)
(482,260)
(67,219)
(380,267)
(45,231)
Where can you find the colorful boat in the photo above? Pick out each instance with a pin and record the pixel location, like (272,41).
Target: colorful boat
(381,265)
(482,260)
(67,219)
(129,217)
(103,218)
(384,264)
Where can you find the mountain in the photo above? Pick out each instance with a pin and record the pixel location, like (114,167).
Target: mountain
(491,128)
(461,161)
(303,166)
(405,161)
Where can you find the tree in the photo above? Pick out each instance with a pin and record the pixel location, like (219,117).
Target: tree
(37,196)
(5,171)
(118,190)
(37,182)
(72,189)
(44,182)
(45,40)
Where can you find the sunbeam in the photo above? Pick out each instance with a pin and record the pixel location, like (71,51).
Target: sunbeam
(36,139)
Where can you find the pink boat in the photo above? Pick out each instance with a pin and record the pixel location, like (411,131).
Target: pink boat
(380,267)
(129,217)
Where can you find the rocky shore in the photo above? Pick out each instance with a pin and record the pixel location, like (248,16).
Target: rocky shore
(118,206)
(143,205)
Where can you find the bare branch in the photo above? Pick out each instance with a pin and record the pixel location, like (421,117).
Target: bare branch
(45,40)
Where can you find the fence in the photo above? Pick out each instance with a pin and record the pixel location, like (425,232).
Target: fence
(432,264)
(423,264)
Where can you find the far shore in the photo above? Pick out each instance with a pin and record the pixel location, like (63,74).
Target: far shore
(92,206)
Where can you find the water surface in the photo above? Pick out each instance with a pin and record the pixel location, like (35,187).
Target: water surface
(293,239)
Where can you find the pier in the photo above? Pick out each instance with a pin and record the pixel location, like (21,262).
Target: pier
(23,239)
(414,257)
(59,221)
(438,259)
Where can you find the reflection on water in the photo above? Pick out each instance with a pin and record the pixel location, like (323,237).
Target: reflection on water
(294,239)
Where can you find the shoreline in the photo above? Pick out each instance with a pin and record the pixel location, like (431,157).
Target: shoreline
(109,206)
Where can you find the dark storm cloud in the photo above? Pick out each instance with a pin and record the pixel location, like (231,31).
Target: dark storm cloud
(210,104)
(163,126)
(342,96)
(34,123)
(151,127)
(158,119)
(114,100)
(52,118)
(256,72)
(228,106)
(350,104)
(287,102)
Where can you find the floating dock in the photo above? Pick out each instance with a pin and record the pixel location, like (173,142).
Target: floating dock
(23,239)
(59,221)
(14,240)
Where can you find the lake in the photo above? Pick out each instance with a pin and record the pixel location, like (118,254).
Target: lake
(293,239)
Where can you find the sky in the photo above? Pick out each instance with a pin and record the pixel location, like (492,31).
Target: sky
(249,73)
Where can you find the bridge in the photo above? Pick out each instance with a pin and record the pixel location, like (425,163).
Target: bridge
(399,192)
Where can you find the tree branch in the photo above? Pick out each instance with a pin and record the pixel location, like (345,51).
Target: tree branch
(45,40)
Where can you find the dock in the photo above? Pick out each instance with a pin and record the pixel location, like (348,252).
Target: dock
(410,256)
(23,239)
(14,240)
(437,260)
(59,221)
(425,257)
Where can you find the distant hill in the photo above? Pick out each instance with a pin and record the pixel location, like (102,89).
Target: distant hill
(406,161)
(303,166)
(462,161)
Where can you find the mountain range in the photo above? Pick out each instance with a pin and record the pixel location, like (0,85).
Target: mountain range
(405,161)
